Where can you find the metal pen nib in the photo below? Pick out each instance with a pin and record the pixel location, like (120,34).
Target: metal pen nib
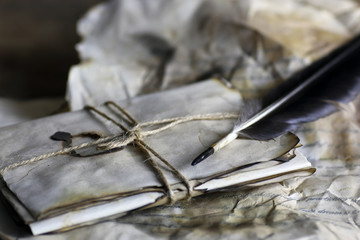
(214,148)
(204,155)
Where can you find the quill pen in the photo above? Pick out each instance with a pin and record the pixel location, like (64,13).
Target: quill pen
(308,95)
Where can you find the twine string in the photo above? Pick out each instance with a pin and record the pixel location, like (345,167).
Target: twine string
(135,135)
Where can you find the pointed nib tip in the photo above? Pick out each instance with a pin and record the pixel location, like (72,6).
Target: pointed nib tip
(204,155)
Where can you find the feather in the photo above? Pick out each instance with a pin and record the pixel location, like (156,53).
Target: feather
(305,97)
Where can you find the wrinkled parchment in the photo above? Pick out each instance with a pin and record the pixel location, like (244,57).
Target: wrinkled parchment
(133,47)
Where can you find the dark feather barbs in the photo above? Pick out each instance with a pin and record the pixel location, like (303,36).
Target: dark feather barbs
(305,97)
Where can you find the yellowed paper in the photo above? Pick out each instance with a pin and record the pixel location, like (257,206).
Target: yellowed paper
(254,43)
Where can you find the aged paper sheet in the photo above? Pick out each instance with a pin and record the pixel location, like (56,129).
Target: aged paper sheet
(133,47)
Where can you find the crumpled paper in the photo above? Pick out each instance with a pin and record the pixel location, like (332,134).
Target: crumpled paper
(133,47)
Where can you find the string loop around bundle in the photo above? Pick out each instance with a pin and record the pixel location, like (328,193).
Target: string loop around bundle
(135,134)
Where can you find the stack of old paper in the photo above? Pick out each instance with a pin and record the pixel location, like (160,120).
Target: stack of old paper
(54,190)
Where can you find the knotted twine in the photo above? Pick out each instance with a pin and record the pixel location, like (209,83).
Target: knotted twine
(135,135)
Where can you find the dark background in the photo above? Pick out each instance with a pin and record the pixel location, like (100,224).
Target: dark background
(37,45)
